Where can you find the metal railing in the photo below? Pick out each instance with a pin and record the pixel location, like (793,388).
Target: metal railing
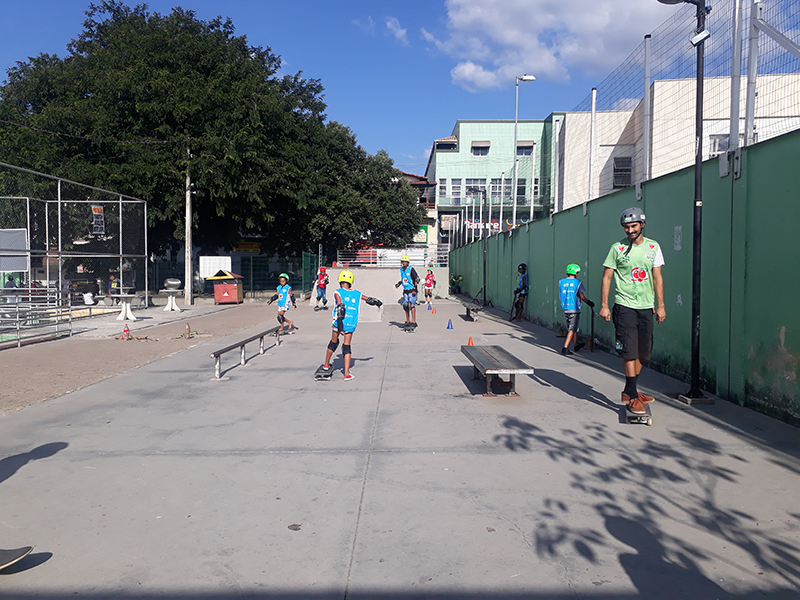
(435,255)
(242,361)
(32,314)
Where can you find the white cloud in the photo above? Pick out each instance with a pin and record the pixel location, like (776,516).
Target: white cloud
(495,40)
(368,25)
(400,34)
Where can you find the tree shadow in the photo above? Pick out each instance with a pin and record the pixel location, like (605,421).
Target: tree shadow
(11,464)
(642,490)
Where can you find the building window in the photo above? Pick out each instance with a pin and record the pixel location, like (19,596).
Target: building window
(535,187)
(623,171)
(521,188)
(472,185)
(500,189)
(455,190)
(525,150)
(443,187)
(480,151)
(446,145)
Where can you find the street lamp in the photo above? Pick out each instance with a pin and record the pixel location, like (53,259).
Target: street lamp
(482,192)
(516,119)
(698,41)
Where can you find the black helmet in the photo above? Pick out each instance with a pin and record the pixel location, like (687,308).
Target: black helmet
(522,266)
(632,215)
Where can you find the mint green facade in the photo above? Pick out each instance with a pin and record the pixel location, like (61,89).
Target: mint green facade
(750,316)
(456,163)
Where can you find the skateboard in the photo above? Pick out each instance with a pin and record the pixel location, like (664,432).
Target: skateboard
(9,557)
(321,374)
(409,327)
(642,419)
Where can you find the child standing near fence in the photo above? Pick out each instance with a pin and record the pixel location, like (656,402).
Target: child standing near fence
(572,294)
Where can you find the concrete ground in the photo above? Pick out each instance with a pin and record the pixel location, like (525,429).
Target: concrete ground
(404,483)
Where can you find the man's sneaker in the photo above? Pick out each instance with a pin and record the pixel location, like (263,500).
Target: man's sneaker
(413,324)
(637,407)
(349,377)
(579,346)
(566,352)
(645,399)
(625,398)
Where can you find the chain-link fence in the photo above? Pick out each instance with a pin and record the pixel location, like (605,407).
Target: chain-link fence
(62,235)
(639,123)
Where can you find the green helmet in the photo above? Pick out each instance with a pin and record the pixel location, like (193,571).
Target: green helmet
(573,269)
(283,275)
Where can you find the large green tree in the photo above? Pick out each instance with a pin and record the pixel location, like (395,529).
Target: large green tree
(142,98)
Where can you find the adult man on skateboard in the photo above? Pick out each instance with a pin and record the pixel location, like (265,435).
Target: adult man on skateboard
(634,264)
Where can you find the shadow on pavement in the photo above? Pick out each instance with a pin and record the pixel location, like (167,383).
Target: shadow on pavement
(11,464)
(641,492)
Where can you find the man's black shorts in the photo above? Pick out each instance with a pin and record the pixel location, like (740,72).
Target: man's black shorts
(634,331)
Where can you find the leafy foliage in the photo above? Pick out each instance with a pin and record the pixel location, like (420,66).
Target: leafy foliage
(142,97)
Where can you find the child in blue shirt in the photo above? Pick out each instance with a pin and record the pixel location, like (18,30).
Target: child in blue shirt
(521,293)
(572,293)
(345,320)
(284,297)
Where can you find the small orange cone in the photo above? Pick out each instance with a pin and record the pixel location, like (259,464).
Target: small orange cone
(469,343)
(433,311)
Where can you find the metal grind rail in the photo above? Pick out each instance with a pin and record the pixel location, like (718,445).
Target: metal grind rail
(259,336)
(33,314)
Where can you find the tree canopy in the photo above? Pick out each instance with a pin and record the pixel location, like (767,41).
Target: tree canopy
(142,97)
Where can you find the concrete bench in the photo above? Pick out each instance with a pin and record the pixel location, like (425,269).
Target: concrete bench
(472,310)
(493,361)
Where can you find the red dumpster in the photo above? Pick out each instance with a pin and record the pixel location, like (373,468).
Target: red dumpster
(227,287)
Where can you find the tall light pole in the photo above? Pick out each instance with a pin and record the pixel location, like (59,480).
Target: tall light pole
(483,237)
(698,41)
(514,150)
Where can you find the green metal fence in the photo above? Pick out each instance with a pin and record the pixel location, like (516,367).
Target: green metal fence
(750,324)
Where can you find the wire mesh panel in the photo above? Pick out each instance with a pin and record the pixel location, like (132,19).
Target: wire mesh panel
(76,234)
(621,134)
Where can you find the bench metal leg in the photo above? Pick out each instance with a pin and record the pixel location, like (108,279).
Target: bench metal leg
(241,360)
(513,380)
(217,369)
(489,385)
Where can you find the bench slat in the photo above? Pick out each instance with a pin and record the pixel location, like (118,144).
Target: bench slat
(495,360)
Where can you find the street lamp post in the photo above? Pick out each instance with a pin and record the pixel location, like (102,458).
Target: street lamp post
(514,150)
(482,192)
(698,41)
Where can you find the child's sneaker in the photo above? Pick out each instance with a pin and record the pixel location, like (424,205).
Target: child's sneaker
(579,346)
(349,377)
(566,352)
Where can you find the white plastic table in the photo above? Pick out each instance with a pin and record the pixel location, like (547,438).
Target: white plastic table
(125,312)
(171,304)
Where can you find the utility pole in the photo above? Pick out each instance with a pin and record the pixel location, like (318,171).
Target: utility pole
(188,287)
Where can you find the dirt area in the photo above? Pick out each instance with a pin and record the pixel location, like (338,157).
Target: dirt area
(46,370)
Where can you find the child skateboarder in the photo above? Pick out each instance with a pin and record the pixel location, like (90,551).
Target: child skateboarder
(572,294)
(345,319)
(284,297)
(430,281)
(322,285)
(520,293)
(409,280)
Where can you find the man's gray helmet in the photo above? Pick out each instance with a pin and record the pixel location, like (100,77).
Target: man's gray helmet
(632,215)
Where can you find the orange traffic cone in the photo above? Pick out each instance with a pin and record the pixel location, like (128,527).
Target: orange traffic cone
(433,310)
(469,343)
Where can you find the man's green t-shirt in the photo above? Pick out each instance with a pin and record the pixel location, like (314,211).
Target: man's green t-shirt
(633,272)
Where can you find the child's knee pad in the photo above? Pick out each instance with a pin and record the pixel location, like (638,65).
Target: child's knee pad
(345,349)
(281,318)
(332,346)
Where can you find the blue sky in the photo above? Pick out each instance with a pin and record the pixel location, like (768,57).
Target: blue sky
(399,74)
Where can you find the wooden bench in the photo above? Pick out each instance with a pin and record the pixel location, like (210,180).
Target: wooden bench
(472,310)
(493,361)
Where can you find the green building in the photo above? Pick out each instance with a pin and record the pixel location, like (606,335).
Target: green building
(473,169)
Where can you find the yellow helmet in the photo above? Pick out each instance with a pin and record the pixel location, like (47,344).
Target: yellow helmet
(346,276)
(405,259)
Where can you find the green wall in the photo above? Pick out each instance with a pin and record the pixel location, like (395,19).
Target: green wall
(750,328)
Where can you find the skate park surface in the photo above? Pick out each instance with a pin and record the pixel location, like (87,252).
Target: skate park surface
(150,479)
